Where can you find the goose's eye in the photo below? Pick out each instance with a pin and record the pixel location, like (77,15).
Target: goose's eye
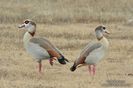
(104,28)
(26,22)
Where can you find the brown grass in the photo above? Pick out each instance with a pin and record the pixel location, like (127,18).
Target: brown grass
(18,70)
(66,11)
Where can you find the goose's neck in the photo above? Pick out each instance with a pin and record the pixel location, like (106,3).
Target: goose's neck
(28,36)
(104,41)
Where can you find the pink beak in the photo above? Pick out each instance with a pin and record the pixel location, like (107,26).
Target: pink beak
(21,26)
(107,32)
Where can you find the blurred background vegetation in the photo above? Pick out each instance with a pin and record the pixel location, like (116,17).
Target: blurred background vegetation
(66,11)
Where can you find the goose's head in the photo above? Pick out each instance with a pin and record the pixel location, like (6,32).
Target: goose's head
(28,25)
(100,31)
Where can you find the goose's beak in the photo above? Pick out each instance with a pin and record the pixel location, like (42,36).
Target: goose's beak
(107,32)
(21,26)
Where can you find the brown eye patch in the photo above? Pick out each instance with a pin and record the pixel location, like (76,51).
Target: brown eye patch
(26,22)
(104,28)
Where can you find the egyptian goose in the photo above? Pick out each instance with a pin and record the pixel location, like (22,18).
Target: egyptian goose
(40,48)
(93,52)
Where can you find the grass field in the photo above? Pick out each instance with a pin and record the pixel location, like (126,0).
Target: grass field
(68,11)
(69,24)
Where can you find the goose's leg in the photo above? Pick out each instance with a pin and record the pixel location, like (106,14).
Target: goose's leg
(92,69)
(89,67)
(51,60)
(40,66)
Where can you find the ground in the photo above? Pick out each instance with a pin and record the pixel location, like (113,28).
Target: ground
(69,24)
(19,70)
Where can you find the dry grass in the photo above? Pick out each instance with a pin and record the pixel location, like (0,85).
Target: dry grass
(66,11)
(18,70)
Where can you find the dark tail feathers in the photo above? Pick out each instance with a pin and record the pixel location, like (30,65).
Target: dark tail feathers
(73,68)
(62,60)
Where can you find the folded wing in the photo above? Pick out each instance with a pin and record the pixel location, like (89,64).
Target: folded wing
(51,49)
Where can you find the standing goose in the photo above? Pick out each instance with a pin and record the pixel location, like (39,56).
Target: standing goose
(40,48)
(93,52)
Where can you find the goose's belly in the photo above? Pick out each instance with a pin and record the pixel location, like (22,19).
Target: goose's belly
(36,51)
(95,56)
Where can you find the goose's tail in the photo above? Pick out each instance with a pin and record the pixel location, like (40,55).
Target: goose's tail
(62,60)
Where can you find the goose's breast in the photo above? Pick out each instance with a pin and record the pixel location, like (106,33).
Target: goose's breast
(36,51)
(95,56)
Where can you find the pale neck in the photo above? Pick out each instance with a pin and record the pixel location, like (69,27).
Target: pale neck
(27,37)
(32,30)
(104,41)
(99,35)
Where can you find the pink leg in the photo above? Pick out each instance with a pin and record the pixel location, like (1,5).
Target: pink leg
(89,69)
(92,69)
(40,67)
(51,61)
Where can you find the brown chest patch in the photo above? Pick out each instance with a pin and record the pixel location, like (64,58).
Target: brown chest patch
(100,38)
(32,33)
